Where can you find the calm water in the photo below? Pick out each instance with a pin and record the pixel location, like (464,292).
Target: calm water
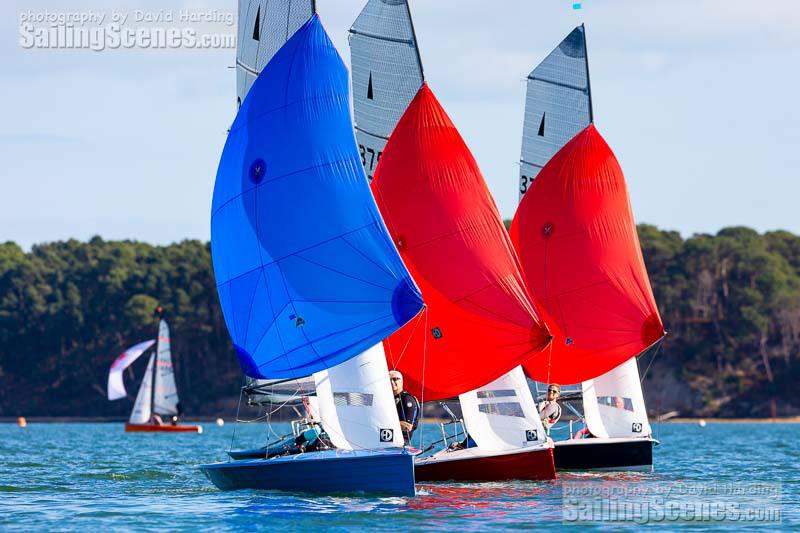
(94,476)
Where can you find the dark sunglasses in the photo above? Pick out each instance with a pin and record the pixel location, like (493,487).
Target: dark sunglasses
(396,379)
(554,391)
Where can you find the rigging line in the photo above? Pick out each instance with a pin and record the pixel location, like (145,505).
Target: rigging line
(422,395)
(236,424)
(368,258)
(655,353)
(410,336)
(356,278)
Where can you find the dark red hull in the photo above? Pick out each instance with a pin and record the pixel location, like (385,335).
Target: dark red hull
(536,466)
(155,428)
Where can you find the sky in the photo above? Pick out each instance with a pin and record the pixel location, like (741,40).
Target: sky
(697,98)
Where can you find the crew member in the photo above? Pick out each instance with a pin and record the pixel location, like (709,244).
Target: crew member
(407,406)
(549,410)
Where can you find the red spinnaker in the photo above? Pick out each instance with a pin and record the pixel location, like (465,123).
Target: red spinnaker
(576,238)
(480,321)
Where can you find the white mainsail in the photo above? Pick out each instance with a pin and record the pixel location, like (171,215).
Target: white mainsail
(558,105)
(386,74)
(613,404)
(264,26)
(356,405)
(165,395)
(142,409)
(502,416)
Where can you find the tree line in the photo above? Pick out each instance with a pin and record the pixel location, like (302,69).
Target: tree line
(730,301)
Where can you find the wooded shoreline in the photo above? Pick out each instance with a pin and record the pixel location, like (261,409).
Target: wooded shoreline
(730,302)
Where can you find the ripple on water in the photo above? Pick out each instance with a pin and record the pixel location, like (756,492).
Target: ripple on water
(93,476)
(133,475)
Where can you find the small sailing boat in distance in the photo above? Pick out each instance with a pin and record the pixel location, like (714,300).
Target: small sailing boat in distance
(157,405)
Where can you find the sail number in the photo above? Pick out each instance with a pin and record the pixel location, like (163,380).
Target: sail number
(524,183)
(369,159)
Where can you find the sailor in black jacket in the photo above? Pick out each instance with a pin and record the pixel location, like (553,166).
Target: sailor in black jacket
(407,406)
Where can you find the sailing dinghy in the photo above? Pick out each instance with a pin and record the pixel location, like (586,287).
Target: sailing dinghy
(577,241)
(157,405)
(307,275)
(479,324)
(558,107)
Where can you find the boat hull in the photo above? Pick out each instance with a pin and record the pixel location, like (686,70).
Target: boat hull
(388,472)
(605,454)
(473,464)
(155,428)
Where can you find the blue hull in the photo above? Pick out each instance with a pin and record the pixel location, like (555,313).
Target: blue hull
(389,471)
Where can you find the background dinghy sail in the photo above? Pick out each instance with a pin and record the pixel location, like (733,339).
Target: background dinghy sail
(387,73)
(577,241)
(558,106)
(157,405)
(308,278)
(479,323)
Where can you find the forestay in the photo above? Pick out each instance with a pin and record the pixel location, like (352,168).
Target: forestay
(307,274)
(558,105)
(387,73)
(613,404)
(501,416)
(116,386)
(355,403)
(263,27)
(142,409)
(479,322)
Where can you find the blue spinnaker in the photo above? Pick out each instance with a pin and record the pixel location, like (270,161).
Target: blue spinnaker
(306,271)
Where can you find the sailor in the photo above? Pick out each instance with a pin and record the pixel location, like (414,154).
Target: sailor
(407,406)
(549,410)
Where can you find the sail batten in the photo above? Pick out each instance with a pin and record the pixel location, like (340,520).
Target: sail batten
(307,274)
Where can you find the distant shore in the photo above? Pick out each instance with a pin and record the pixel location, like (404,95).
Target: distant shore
(779,420)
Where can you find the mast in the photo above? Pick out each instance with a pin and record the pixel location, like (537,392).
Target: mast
(588,78)
(416,43)
(158,312)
